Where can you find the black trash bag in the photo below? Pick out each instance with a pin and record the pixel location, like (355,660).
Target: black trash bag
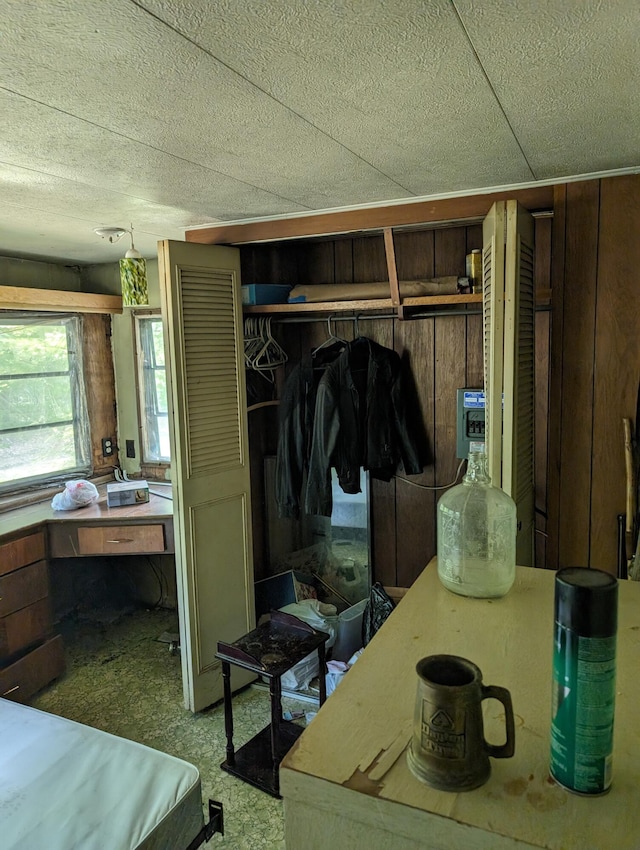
(378,607)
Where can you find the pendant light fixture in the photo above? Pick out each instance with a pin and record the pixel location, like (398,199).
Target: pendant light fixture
(133,268)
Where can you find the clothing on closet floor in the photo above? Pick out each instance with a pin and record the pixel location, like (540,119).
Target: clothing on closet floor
(360,421)
(295,426)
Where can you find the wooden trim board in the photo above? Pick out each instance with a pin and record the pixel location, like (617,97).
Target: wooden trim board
(57,300)
(373,218)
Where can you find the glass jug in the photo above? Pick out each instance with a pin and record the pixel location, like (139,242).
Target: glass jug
(476,542)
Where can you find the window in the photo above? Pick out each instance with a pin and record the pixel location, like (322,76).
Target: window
(44,432)
(152,389)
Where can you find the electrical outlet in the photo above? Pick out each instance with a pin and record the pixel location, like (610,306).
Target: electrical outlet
(131,448)
(108,446)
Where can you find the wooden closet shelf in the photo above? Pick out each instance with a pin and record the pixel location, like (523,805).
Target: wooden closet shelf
(362,305)
(543,298)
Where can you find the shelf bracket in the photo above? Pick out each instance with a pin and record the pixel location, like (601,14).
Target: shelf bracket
(392,270)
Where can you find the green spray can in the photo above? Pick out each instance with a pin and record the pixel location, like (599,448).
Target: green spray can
(584,679)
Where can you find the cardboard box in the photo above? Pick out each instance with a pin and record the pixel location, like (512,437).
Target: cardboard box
(264,293)
(397,594)
(283,589)
(123,493)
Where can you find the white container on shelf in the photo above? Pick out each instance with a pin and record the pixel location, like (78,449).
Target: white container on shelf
(349,638)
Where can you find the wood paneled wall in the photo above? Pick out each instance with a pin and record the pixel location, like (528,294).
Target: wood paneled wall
(595,365)
(439,354)
(100,388)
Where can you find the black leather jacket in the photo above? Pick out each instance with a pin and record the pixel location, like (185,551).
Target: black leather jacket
(360,421)
(295,427)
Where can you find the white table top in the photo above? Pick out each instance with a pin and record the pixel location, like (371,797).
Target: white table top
(359,738)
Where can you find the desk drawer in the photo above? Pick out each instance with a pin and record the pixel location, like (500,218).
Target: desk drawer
(19,553)
(25,627)
(23,587)
(121,540)
(28,675)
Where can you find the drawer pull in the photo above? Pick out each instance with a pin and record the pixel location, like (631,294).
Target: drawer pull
(11,690)
(123,540)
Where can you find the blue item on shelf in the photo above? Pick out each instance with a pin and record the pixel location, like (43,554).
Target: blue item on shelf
(264,293)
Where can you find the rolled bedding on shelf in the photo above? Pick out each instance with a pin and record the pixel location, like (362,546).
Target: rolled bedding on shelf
(318,292)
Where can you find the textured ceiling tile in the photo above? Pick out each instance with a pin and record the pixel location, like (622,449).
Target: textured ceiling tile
(83,152)
(567,73)
(34,196)
(397,83)
(23,187)
(129,73)
(65,238)
(195,110)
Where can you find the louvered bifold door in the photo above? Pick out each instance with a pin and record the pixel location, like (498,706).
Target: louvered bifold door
(493,239)
(519,376)
(202,313)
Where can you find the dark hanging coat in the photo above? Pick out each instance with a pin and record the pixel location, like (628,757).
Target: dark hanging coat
(295,427)
(360,421)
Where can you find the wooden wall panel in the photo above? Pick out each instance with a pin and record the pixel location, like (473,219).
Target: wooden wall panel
(316,263)
(415,517)
(100,387)
(617,357)
(415,255)
(369,259)
(343,261)
(579,306)
(595,366)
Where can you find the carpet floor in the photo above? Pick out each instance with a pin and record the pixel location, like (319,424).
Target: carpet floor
(122,679)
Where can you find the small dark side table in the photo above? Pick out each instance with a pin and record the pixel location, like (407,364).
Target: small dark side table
(269,650)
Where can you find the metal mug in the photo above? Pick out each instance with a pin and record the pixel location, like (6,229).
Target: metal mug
(448,750)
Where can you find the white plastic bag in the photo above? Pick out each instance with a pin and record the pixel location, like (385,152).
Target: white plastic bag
(299,677)
(336,671)
(318,615)
(76,494)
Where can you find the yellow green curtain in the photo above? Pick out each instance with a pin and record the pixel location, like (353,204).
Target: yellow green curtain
(133,279)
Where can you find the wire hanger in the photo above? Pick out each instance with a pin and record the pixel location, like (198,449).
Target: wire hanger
(262,353)
(271,354)
(331,339)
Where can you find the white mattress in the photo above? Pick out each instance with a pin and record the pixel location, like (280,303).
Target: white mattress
(65,786)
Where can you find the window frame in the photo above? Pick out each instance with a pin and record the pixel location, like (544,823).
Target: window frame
(149,465)
(80,420)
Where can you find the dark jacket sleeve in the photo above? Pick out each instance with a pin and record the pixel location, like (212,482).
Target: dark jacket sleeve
(326,426)
(290,454)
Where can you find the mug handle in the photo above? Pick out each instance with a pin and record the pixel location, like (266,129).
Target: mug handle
(506,750)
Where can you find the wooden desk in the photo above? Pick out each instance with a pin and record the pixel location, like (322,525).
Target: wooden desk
(87,531)
(31,654)
(346,783)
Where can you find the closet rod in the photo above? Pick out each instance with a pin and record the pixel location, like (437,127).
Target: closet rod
(362,317)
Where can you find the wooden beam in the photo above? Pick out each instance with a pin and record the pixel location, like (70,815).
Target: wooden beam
(57,300)
(372,218)
(362,305)
(392,271)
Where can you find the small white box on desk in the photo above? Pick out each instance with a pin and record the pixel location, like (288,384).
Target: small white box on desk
(123,493)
